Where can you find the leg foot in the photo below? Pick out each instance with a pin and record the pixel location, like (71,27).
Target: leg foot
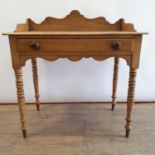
(38,107)
(24,133)
(127,133)
(113,107)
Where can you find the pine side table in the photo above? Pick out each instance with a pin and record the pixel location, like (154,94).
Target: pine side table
(75,37)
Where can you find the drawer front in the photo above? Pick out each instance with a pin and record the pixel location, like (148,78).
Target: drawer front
(73,46)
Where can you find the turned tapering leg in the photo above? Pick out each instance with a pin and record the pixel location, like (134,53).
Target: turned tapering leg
(130,99)
(35,81)
(115,81)
(21,99)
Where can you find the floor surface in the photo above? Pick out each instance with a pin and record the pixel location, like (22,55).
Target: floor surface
(78,129)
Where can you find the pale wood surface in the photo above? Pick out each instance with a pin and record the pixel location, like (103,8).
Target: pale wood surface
(75,33)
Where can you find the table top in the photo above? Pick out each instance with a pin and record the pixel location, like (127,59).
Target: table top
(57,33)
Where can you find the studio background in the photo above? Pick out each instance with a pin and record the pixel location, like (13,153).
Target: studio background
(85,80)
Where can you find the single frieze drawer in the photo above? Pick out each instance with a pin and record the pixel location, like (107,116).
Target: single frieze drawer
(75,45)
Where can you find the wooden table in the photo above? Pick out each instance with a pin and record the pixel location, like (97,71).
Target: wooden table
(75,37)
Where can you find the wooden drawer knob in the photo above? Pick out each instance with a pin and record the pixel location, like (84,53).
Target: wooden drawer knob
(116,45)
(35,45)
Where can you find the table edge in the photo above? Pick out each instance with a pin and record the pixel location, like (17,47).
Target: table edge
(73,33)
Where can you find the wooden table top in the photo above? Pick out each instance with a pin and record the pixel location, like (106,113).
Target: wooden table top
(74,33)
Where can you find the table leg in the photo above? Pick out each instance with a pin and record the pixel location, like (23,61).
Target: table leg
(21,99)
(35,81)
(115,81)
(130,99)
